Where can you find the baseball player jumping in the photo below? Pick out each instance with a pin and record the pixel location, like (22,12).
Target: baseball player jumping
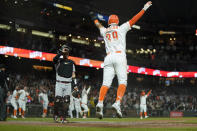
(115,62)
(143,107)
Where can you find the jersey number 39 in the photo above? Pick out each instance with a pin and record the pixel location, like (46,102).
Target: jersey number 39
(113,35)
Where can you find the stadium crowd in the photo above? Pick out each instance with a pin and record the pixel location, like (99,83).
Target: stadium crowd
(163,97)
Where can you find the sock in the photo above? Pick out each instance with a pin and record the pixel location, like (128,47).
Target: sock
(120,92)
(15,112)
(19,110)
(23,113)
(45,111)
(102,94)
(140,114)
(145,113)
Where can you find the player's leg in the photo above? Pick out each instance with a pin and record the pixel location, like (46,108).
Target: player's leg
(141,111)
(145,111)
(77,111)
(14,104)
(85,107)
(66,101)
(108,75)
(120,66)
(20,107)
(23,109)
(58,98)
(45,106)
(71,108)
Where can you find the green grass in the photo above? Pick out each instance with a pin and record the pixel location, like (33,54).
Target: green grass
(42,128)
(185,120)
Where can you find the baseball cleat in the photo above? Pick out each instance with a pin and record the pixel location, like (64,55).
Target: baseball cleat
(116,107)
(23,117)
(99,111)
(146,116)
(14,117)
(43,115)
(141,117)
(63,120)
(55,119)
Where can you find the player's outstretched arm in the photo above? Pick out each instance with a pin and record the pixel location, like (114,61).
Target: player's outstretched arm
(98,24)
(96,21)
(140,14)
(149,93)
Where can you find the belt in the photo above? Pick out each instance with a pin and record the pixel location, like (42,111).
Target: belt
(63,81)
(115,52)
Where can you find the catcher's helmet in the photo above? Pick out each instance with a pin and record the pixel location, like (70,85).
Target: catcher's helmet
(65,47)
(113,19)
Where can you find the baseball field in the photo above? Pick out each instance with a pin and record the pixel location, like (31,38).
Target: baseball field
(106,124)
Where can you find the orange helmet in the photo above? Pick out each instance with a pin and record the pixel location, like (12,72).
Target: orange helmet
(113,19)
(142,93)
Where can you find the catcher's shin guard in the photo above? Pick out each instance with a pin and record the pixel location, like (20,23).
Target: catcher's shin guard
(57,104)
(63,109)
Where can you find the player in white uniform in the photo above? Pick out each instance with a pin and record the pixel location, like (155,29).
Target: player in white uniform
(8,102)
(84,100)
(71,107)
(14,101)
(43,99)
(115,62)
(77,103)
(143,107)
(22,100)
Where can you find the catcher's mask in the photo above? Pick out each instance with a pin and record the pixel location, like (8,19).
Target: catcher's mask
(65,50)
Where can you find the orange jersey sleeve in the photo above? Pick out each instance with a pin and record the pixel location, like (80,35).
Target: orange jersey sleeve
(136,17)
(148,93)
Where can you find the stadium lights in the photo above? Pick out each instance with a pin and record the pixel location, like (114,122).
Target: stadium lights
(64,38)
(80,41)
(21,30)
(97,44)
(44,34)
(6,27)
(62,7)
(167,32)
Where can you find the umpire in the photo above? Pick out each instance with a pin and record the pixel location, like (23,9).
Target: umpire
(3,92)
(65,73)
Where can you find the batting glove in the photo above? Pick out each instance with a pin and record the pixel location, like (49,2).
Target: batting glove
(147,5)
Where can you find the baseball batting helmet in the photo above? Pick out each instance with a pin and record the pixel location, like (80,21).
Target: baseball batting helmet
(113,19)
(143,93)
